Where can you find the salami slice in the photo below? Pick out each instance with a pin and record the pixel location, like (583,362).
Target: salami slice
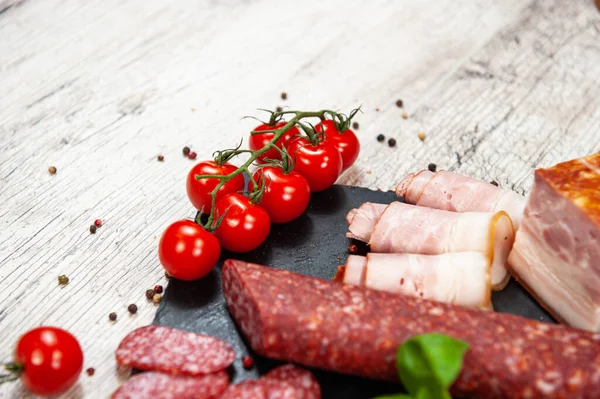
(157,385)
(160,348)
(353,330)
(302,380)
(277,389)
(249,389)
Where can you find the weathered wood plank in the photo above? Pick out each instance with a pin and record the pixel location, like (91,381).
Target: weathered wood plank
(99,88)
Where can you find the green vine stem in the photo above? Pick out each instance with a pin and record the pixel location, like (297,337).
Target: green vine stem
(14,369)
(223,156)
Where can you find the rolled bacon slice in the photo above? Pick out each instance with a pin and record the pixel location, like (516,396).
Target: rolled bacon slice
(403,228)
(461,278)
(557,250)
(453,192)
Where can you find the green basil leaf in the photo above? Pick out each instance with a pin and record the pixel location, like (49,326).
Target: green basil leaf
(431,360)
(431,392)
(395,396)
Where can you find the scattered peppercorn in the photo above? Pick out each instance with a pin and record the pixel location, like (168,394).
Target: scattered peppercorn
(149,294)
(376,109)
(353,249)
(158,289)
(284,96)
(52,170)
(192,155)
(422,135)
(63,280)
(160,158)
(93,229)
(392,142)
(494,183)
(432,167)
(98,223)
(278,109)
(186,150)
(132,308)
(404,115)
(157,298)
(355,125)
(112,316)
(399,103)
(90,371)
(247,362)
(380,138)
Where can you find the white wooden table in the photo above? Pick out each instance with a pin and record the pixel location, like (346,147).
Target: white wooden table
(99,88)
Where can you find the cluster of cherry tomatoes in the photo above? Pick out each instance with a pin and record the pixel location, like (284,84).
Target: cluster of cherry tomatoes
(189,251)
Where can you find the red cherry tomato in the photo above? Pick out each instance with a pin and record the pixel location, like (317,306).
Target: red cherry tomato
(286,195)
(51,359)
(198,191)
(245,225)
(347,143)
(258,141)
(320,164)
(187,251)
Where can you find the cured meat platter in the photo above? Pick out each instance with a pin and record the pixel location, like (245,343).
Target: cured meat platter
(314,244)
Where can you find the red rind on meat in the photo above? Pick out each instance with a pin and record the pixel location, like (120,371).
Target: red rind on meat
(302,380)
(157,385)
(165,349)
(353,330)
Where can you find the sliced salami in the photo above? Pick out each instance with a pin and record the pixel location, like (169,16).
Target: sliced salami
(160,348)
(277,389)
(302,380)
(249,389)
(157,385)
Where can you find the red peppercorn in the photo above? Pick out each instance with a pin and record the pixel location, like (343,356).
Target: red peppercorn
(158,289)
(192,155)
(97,222)
(161,158)
(353,249)
(247,362)
(90,371)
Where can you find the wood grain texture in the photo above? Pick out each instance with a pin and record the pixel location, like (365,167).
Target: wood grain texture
(99,88)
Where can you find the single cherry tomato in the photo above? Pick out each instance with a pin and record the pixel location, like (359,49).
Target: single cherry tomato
(286,195)
(245,225)
(346,142)
(320,164)
(51,360)
(187,251)
(198,191)
(258,141)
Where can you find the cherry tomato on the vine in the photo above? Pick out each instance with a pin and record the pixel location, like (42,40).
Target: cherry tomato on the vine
(198,191)
(286,195)
(346,142)
(187,251)
(51,359)
(320,164)
(245,225)
(258,141)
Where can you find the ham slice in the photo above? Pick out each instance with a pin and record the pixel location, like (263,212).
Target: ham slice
(557,250)
(403,228)
(453,192)
(461,278)
(362,220)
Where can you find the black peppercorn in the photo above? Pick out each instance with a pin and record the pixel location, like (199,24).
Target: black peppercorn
(284,96)
(132,308)
(93,229)
(432,167)
(392,142)
(380,138)
(112,316)
(186,150)
(149,294)
(399,103)
(355,125)
(494,183)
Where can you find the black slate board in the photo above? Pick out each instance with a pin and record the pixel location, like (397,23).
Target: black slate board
(314,244)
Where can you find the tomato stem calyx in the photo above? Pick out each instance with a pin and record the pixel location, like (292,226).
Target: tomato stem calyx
(14,369)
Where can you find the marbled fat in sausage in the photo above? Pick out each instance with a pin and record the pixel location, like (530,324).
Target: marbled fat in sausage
(354,330)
